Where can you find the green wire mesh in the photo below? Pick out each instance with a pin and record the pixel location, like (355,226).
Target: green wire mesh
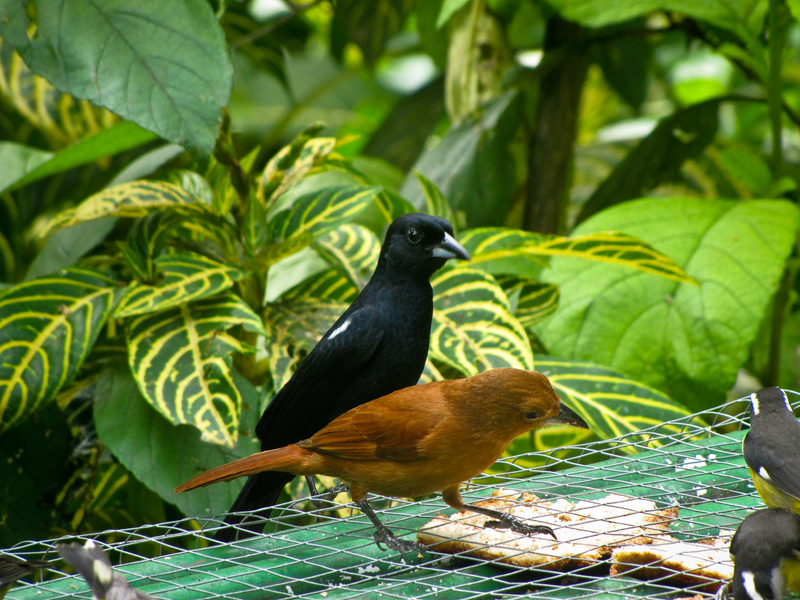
(312,552)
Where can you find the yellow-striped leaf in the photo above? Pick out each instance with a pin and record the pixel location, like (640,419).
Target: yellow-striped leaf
(321,211)
(351,249)
(473,328)
(611,404)
(272,253)
(47,328)
(181,361)
(146,240)
(187,277)
(530,300)
(134,199)
(392,205)
(279,176)
(499,250)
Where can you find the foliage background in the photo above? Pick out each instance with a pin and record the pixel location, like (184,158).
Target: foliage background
(193,191)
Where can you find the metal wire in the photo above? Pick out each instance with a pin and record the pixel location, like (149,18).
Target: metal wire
(694,464)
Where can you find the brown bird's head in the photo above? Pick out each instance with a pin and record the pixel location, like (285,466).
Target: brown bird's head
(521,401)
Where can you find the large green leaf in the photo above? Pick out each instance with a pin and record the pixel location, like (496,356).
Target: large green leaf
(531,300)
(181,360)
(134,199)
(143,441)
(321,211)
(163,65)
(684,339)
(292,163)
(187,277)
(499,250)
(352,250)
(473,328)
(18,161)
(47,328)
(610,403)
(64,247)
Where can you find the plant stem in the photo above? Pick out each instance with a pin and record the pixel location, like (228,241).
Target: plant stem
(774,86)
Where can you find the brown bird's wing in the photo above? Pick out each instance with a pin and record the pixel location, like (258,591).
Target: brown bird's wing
(390,428)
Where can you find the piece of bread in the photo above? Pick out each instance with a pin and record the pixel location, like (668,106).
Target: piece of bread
(587,531)
(680,564)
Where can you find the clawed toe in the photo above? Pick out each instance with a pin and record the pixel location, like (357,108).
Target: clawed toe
(395,543)
(517,526)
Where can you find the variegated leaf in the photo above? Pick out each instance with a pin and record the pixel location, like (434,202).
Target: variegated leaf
(609,402)
(435,203)
(499,250)
(351,249)
(47,328)
(473,328)
(321,211)
(393,205)
(146,241)
(531,300)
(219,178)
(187,277)
(278,178)
(254,225)
(272,253)
(181,361)
(134,199)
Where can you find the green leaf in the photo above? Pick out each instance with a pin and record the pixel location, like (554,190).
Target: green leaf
(141,439)
(392,205)
(273,253)
(684,339)
(473,328)
(321,211)
(181,361)
(187,277)
(254,225)
(532,300)
(435,203)
(368,24)
(610,403)
(18,161)
(134,199)
(472,165)
(658,158)
(47,328)
(449,8)
(64,247)
(146,241)
(351,249)
(117,138)
(747,169)
(162,65)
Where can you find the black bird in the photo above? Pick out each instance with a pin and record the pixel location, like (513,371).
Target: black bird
(379,345)
(766,553)
(12,569)
(771,449)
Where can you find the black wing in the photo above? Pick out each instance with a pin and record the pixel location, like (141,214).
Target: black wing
(777,453)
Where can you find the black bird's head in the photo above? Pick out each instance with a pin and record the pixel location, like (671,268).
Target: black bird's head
(419,245)
(765,552)
(769,401)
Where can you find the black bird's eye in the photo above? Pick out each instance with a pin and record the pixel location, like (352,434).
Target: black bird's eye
(414,236)
(532,415)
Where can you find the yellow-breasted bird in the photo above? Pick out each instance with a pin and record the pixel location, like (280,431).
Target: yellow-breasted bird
(766,555)
(772,449)
(418,440)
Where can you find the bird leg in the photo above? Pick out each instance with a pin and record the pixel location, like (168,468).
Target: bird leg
(328,495)
(503,520)
(452,495)
(382,533)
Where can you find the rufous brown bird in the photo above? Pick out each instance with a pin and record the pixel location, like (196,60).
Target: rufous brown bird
(418,440)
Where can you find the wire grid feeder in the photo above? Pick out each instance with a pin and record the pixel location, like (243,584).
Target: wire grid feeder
(310,553)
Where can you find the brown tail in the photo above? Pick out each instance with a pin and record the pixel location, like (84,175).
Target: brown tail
(288,459)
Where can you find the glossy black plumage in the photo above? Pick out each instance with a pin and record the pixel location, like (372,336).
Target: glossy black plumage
(377,346)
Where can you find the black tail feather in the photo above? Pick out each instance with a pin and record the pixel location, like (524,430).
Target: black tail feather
(260,492)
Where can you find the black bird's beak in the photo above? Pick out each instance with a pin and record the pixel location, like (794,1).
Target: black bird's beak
(567,416)
(450,248)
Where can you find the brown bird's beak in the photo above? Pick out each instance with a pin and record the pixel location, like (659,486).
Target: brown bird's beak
(567,416)
(450,248)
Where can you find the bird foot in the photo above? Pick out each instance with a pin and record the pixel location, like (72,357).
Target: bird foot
(395,543)
(324,500)
(514,524)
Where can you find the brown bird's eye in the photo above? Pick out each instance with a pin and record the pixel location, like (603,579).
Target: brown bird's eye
(532,415)
(414,236)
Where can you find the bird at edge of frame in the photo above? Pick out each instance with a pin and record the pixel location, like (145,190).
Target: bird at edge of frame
(95,567)
(417,441)
(378,345)
(771,449)
(766,554)
(13,569)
